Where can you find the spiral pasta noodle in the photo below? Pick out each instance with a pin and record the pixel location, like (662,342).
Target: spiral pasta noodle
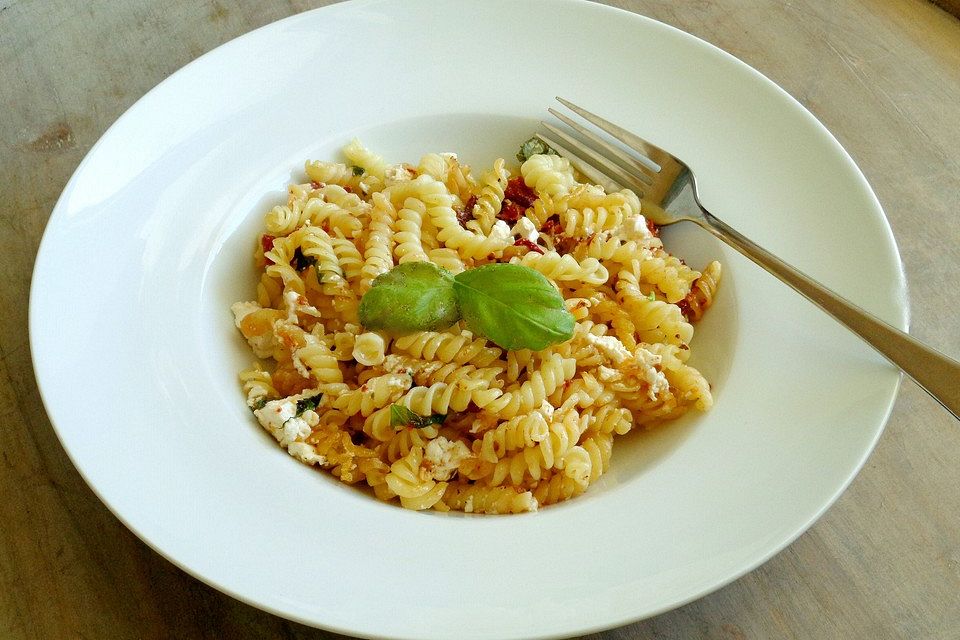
(447,420)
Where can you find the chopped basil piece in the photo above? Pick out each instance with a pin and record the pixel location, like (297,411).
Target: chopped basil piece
(532,147)
(308,404)
(401,416)
(300,261)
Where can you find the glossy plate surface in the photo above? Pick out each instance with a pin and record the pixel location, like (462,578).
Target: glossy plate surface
(136,354)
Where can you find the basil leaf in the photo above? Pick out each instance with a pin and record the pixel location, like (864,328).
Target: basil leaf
(300,261)
(308,404)
(415,296)
(514,306)
(357,171)
(532,147)
(401,416)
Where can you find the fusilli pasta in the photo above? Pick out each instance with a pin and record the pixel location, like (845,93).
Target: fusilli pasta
(500,431)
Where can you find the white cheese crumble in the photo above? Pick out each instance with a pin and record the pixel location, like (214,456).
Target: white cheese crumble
(610,346)
(274,417)
(280,419)
(305,453)
(526,230)
(501,233)
(442,457)
(398,173)
(653,376)
(297,302)
(634,228)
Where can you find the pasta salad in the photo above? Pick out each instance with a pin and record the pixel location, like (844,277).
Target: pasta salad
(462,342)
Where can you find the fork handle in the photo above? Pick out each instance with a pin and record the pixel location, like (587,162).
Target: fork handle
(938,374)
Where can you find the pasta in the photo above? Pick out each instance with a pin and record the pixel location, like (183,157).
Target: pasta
(492,430)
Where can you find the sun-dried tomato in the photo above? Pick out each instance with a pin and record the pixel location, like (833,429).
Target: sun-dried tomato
(518,191)
(510,211)
(565,244)
(523,242)
(266,242)
(654,229)
(466,214)
(552,225)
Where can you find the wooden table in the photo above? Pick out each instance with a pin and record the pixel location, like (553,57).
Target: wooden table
(882,75)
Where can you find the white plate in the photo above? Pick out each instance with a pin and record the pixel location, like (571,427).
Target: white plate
(150,242)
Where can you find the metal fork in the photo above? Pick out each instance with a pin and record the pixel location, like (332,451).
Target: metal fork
(669,191)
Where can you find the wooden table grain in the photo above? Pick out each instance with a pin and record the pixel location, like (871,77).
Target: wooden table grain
(882,75)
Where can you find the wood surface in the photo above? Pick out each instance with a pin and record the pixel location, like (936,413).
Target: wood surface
(884,562)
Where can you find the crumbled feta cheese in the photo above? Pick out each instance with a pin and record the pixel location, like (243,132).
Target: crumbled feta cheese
(420,369)
(611,347)
(290,300)
(389,388)
(653,376)
(424,370)
(634,228)
(501,232)
(394,363)
(526,230)
(398,383)
(442,457)
(293,429)
(398,173)
(279,418)
(275,414)
(298,302)
(468,505)
(242,309)
(305,453)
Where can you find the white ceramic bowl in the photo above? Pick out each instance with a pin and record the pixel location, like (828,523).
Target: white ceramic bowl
(136,355)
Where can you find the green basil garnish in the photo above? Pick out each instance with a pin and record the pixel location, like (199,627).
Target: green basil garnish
(300,261)
(308,404)
(534,146)
(511,305)
(401,416)
(514,306)
(415,296)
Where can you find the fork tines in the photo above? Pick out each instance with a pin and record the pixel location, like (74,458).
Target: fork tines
(605,162)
